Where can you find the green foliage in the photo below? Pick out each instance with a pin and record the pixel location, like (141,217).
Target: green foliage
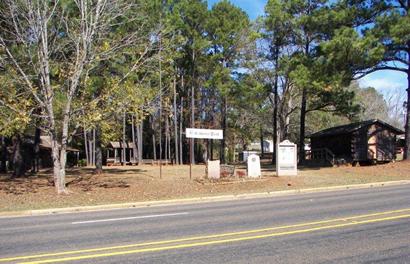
(82,163)
(315,47)
(16,107)
(228,27)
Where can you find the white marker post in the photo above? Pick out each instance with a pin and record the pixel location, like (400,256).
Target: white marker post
(204,134)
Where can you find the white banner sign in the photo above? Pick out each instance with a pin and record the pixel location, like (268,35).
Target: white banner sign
(204,133)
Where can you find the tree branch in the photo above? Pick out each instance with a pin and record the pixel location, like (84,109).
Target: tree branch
(380,68)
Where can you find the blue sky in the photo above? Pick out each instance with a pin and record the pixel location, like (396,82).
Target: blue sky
(384,81)
(254,8)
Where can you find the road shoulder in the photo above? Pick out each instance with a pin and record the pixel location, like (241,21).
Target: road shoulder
(198,199)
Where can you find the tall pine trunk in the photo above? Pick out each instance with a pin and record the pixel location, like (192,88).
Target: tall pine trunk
(98,151)
(175,124)
(166,138)
(139,143)
(18,162)
(169,140)
(87,154)
(36,150)
(3,155)
(303,117)
(407,125)
(261,139)
(223,143)
(181,158)
(124,143)
(302,128)
(134,141)
(275,102)
(154,144)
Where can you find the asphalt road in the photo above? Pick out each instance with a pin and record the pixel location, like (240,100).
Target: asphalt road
(353,226)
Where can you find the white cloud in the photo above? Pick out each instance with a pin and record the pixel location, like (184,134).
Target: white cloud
(385,81)
(381,84)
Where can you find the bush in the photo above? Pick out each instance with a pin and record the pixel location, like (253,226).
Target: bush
(82,163)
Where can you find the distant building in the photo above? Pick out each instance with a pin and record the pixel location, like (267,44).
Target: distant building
(267,146)
(115,153)
(367,141)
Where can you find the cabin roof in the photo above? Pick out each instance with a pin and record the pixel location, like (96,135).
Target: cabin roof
(350,128)
(45,142)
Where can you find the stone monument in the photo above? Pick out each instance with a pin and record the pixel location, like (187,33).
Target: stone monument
(254,166)
(214,169)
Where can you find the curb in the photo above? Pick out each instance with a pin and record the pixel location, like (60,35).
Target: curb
(219,198)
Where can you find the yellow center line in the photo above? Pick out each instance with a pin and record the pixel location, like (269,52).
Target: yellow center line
(206,243)
(201,237)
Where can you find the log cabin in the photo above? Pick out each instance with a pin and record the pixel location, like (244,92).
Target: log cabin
(370,141)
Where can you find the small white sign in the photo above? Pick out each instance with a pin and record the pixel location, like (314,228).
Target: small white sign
(204,133)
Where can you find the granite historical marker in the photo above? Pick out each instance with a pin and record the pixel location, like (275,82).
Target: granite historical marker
(286,159)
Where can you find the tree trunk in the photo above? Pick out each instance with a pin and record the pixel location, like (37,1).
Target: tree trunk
(154,144)
(18,163)
(59,177)
(261,139)
(87,157)
(140,143)
(36,150)
(223,141)
(285,134)
(175,124)
(407,125)
(94,153)
(90,147)
(180,129)
(169,140)
(98,151)
(275,102)
(3,155)
(134,141)
(302,128)
(63,151)
(90,143)
(406,154)
(166,138)
(123,153)
(275,123)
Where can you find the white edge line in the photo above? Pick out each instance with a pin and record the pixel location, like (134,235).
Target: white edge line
(128,218)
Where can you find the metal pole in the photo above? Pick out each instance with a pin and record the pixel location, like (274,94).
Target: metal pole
(190,160)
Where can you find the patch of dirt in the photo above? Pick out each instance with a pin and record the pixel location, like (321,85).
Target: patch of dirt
(143,183)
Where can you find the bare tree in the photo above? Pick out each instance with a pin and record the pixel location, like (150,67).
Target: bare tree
(52,45)
(396,104)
